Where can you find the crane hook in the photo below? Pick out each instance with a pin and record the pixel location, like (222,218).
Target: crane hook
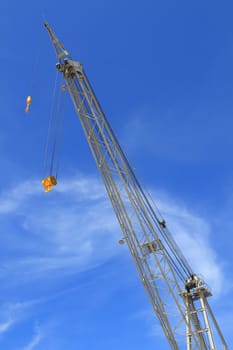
(28,102)
(49,182)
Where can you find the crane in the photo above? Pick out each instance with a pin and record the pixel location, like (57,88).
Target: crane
(178,296)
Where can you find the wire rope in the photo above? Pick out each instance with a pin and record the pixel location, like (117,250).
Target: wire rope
(57,119)
(63,108)
(50,124)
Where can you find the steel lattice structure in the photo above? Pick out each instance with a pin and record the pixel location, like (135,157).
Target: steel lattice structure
(177,295)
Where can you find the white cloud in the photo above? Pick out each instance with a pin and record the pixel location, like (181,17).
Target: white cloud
(36,339)
(73,228)
(83,187)
(70,229)
(11,199)
(193,235)
(11,313)
(4,326)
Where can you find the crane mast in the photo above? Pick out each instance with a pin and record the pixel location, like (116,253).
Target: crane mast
(177,295)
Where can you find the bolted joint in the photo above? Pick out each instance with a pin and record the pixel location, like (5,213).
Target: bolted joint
(70,68)
(60,67)
(194,282)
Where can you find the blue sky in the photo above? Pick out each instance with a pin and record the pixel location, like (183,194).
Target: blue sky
(163,73)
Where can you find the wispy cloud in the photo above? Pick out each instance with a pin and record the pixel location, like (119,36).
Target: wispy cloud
(5,326)
(35,340)
(193,235)
(11,313)
(11,199)
(68,230)
(74,228)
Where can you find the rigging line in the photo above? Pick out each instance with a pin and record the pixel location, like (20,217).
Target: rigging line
(173,245)
(55,132)
(177,253)
(50,124)
(175,250)
(63,108)
(175,266)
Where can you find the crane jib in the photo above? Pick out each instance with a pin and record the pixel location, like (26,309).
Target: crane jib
(177,295)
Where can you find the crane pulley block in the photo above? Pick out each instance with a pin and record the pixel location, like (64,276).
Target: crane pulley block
(28,102)
(49,182)
(149,247)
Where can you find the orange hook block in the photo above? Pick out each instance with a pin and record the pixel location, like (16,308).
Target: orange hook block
(28,102)
(49,182)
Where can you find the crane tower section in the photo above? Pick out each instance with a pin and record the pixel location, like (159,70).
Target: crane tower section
(177,295)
